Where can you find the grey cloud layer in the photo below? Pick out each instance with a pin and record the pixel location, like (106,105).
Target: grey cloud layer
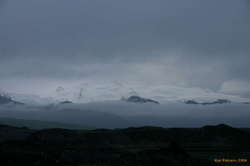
(190,40)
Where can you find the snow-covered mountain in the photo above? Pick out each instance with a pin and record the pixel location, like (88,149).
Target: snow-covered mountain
(109,91)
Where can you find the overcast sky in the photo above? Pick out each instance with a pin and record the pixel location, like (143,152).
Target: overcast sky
(143,44)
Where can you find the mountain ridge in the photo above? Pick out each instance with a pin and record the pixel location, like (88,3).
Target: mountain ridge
(4,99)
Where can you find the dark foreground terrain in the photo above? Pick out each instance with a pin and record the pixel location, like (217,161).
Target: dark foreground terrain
(145,146)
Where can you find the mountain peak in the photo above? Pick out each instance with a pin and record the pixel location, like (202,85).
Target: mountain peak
(138,99)
(218,101)
(66,102)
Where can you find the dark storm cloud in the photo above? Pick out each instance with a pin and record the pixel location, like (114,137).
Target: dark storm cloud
(112,26)
(2,5)
(60,39)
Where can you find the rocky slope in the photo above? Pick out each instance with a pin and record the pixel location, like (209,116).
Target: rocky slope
(147,146)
